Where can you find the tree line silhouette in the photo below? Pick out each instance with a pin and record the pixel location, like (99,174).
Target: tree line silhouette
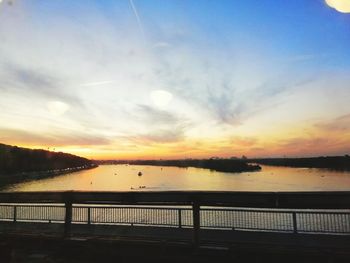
(17,164)
(216,164)
(341,163)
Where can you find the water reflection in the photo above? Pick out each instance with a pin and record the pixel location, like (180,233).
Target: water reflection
(154,178)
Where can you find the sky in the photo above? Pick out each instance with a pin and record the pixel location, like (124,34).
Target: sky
(150,79)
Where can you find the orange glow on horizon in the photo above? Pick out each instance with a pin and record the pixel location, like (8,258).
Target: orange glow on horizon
(310,142)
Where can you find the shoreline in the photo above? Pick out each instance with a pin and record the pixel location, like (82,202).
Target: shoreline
(333,163)
(218,165)
(253,168)
(9,179)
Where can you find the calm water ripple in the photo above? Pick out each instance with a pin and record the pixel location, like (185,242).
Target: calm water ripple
(155,178)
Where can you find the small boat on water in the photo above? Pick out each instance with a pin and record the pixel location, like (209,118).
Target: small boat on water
(139,174)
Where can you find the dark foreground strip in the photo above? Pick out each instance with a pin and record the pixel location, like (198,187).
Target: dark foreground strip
(241,247)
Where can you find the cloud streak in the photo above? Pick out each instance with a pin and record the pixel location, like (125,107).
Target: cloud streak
(97,83)
(137,16)
(17,78)
(160,136)
(338,124)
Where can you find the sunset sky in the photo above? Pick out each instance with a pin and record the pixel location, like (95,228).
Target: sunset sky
(130,79)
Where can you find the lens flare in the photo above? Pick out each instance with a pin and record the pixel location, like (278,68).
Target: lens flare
(342,6)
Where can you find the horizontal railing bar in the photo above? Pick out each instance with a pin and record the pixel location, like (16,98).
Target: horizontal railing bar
(322,213)
(281,212)
(132,223)
(38,220)
(31,205)
(309,200)
(247,211)
(122,205)
(133,207)
(275,229)
(34,206)
(250,228)
(323,231)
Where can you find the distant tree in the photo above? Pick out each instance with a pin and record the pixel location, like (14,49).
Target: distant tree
(14,159)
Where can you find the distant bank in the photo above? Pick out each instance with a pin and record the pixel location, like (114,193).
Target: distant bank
(21,164)
(234,165)
(215,164)
(338,163)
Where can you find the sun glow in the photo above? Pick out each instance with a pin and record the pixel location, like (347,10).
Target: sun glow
(57,108)
(161,98)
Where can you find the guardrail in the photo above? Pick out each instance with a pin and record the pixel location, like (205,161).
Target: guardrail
(195,210)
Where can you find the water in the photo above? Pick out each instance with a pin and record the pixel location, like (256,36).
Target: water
(155,178)
(125,178)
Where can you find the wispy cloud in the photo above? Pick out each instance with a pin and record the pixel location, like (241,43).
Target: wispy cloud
(160,136)
(307,57)
(152,116)
(226,105)
(97,83)
(338,124)
(50,140)
(243,141)
(17,78)
(163,126)
(162,44)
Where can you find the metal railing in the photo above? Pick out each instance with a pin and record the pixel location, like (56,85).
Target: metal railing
(32,213)
(293,221)
(133,215)
(192,212)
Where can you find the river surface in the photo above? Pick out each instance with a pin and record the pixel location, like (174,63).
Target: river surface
(156,178)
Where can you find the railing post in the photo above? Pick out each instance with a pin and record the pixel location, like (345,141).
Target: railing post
(15,214)
(89,215)
(196,223)
(68,217)
(179,218)
(295,226)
